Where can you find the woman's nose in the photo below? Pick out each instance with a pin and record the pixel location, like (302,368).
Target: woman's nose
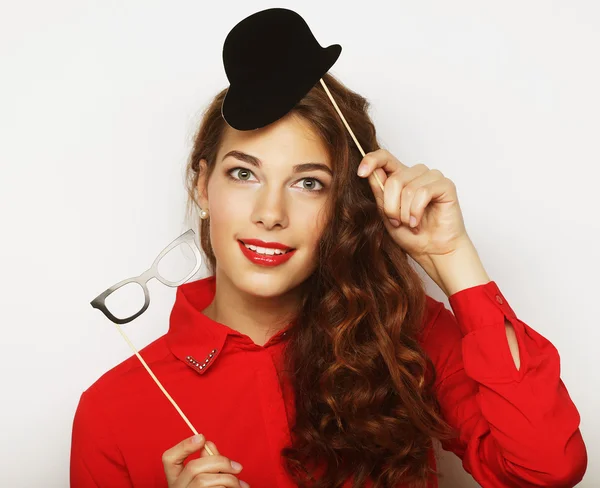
(270,209)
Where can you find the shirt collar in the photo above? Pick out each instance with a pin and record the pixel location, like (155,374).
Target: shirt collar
(198,340)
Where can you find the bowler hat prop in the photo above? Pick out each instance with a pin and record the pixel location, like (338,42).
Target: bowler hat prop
(272,60)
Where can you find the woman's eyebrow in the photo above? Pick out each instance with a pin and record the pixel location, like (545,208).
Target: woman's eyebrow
(298,168)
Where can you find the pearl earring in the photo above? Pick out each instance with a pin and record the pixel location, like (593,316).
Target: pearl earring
(203,214)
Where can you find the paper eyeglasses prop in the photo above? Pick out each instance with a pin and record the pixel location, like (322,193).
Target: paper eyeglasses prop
(272,60)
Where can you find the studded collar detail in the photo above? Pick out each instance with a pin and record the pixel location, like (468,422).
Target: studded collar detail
(198,340)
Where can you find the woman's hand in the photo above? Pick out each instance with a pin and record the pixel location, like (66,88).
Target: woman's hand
(209,471)
(422,195)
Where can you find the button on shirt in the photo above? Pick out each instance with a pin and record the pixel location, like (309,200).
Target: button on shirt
(517,427)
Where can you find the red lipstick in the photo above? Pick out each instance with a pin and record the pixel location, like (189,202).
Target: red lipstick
(266,259)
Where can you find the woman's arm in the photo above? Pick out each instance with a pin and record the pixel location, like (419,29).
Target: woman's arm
(517,427)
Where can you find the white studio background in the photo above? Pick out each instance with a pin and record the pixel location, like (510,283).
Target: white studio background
(99,102)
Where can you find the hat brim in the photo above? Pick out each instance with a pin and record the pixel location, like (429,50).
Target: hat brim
(247,107)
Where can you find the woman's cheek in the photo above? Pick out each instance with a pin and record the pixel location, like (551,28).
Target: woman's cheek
(314,222)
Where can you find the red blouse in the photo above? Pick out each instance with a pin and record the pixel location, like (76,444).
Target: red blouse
(517,427)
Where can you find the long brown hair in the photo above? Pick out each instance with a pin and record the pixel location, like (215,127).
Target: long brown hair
(364,400)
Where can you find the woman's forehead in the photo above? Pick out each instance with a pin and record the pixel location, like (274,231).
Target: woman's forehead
(289,139)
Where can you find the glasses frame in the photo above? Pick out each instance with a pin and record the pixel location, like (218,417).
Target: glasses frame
(187,237)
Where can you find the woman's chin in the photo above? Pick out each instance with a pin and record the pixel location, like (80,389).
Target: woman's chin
(266,284)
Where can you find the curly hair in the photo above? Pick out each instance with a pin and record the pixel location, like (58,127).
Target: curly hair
(365,408)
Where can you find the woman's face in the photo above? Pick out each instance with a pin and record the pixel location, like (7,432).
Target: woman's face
(270,200)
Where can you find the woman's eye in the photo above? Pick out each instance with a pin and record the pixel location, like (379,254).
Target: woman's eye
(313,182)
(244,174)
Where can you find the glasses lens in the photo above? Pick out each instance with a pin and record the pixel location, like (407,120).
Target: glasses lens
(178,263)
(126,300)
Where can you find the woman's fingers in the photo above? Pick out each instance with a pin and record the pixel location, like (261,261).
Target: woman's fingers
(380,158)
(173,458)
(217,480)
(210,468)
(207,471)
(212,447)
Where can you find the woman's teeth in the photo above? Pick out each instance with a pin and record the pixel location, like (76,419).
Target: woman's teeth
(265,250)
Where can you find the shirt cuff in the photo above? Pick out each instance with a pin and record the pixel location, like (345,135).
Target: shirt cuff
(480,306)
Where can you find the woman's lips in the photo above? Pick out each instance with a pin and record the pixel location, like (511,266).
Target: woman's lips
(266,259)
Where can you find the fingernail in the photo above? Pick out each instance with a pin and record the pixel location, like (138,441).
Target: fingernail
(235,465)
(413,221)
(197,439)
(362,170)
(244,484)
(394,222)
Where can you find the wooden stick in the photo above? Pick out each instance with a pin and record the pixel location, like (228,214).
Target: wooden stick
(349,129)
(161,386)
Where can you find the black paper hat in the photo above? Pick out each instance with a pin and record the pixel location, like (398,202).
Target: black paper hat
(272,60)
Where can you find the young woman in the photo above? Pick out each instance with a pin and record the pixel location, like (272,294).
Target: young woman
(312,356)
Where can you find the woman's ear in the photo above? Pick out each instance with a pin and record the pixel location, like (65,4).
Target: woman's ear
(201,186)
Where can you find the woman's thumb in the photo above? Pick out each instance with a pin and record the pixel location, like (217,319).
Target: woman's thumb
(173,458)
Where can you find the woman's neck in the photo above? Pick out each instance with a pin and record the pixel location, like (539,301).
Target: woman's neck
(257,317)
